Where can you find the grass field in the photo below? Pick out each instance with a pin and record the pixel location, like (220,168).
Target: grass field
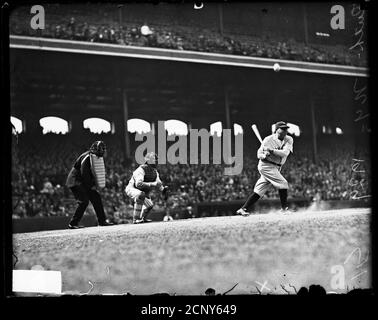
(268,252)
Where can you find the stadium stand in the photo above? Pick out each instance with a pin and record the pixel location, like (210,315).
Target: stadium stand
(42,163)
(104,25)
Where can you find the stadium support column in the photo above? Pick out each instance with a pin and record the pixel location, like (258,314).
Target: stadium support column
(220,15)
(120,7)
(227,108)
(76,125)
(305,23)
(228,122)
(125,118)
(313,126)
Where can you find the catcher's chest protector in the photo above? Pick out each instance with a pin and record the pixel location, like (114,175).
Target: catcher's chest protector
(98,170)
(149,173)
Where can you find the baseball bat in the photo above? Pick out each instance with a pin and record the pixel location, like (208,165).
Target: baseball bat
(256,131)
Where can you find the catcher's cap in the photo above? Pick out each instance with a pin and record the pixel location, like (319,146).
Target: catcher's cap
(281,124)
(151,157)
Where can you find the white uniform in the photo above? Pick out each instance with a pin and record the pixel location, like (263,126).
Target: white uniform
(270,166)
(134,193)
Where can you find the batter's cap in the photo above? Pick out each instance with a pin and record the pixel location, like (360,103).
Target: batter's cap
(281,124)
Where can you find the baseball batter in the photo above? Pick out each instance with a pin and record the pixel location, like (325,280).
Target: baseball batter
(272,154)
(144,178)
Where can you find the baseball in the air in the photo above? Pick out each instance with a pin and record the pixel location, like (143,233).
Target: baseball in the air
(276,67)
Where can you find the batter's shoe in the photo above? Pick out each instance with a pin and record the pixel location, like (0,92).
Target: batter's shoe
(75,226)
(242,212)
(286,210)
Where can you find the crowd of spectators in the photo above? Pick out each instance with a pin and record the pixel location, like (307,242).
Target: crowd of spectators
(186,38)
(40,167)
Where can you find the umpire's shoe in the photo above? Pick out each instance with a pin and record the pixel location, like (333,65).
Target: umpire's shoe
(242,212)
(75,226)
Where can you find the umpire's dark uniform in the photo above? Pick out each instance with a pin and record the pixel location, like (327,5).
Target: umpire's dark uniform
(82,182)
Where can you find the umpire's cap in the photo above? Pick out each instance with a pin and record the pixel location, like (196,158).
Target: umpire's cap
(98,148)
(281,124)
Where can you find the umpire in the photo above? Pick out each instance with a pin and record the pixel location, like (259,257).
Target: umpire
(82,182)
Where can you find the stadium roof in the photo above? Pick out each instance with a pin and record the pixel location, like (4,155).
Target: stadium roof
(48,79)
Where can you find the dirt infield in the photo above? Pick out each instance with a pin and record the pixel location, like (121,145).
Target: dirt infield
(270,253)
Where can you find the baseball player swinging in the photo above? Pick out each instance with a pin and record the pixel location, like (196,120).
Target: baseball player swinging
(144,178)
(272,154)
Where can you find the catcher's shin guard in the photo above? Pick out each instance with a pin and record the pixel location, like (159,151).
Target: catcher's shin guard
(147,206)
(137,210)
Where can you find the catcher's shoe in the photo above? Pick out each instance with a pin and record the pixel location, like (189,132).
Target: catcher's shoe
(242,212)
(142,220)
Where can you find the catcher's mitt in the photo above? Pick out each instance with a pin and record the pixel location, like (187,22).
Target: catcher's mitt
(165,192)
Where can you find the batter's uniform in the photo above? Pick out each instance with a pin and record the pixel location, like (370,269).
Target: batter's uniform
(270,165)
(144,173)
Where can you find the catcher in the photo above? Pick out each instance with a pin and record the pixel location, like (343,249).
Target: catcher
(272,154)
(144,178)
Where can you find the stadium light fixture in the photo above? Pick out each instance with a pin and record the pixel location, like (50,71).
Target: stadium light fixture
(326,130)
(138,125)
(294,129)
(17,124)
(198,5)
(97,125)
(216,129)
(54,124)
(176,127)
(238,129)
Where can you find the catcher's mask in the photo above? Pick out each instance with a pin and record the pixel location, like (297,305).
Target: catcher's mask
(151,158)
(98,148)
